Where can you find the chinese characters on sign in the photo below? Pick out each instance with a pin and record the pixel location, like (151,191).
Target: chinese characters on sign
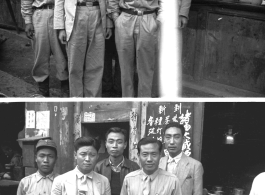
(89,117)
(30,119)
(161,115)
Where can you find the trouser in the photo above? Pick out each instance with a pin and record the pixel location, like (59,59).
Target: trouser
(136,42)
(86,53)
(111,81)
(45,43)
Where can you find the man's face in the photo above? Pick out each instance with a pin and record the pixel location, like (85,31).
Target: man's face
(86,158)
(149,157)
(115,144)
(173,141)
(45,159)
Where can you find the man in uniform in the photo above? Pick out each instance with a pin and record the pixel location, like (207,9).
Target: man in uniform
(188,170)
(116,166)
(136,30)
(41,181)
(83,180)
(83,25)
(150,180)
(38,16)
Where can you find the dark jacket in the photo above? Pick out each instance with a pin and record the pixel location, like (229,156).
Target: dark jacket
(103,167)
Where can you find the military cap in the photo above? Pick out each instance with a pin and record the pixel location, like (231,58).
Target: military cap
(46,143)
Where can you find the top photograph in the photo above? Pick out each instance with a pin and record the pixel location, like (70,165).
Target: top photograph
(132,48)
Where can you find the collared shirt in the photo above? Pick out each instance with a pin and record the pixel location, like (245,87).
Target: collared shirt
(118,167)
(36,184)
(172,163)
(162,182)
(26,8)
(258,187)
(80,176)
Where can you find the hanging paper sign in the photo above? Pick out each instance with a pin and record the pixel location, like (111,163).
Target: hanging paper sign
(43,120)
(30,119)
(89,117)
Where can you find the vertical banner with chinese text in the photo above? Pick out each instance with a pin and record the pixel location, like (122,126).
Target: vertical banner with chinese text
(159,114)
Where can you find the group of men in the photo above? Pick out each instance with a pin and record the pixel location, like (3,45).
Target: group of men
(176,174)
(84,25)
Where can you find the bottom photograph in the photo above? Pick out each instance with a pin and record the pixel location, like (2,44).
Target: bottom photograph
(132,147)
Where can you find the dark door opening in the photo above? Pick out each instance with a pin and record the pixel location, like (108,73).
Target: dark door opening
(100,129)
(12,121)
(233,165)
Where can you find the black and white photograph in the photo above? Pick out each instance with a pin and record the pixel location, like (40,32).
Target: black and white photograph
(132,147)
(132,97)
(132,48)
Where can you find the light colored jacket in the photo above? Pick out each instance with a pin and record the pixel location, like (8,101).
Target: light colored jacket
(66,184)
(184,8)
(64,15)
(189,172)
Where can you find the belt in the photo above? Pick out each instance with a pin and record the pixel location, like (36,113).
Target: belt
(137,12)
(47,6)
(88,3)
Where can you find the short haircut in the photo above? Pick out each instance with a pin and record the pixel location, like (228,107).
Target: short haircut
(86,141)
(117,130)
(177,125)
(42,147)
(148,140)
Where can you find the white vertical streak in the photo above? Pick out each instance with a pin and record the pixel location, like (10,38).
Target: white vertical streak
(170,50)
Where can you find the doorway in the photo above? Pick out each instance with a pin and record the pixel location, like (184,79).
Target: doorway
(100,129)
(12,121)
(233,165)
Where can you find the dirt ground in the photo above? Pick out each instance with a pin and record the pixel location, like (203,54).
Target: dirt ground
(16,62)
(16,59)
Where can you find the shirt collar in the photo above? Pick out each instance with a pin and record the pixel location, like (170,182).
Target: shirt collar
(152,176)
(79,174)
(119,165)
(175,159)
(39,176)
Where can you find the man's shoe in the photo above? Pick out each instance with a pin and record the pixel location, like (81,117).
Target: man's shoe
(65,88)
(44,88)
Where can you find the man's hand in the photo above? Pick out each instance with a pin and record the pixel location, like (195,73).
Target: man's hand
(62,36)
(29,29)
(108,33)
(183,21)
(115,15)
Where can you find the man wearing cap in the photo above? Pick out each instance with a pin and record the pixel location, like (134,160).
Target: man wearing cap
(41,181)
(82,180)
(38,16)
(136,31)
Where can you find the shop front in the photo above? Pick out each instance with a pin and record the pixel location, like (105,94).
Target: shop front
(223,50)
(226,137)
(65,122)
